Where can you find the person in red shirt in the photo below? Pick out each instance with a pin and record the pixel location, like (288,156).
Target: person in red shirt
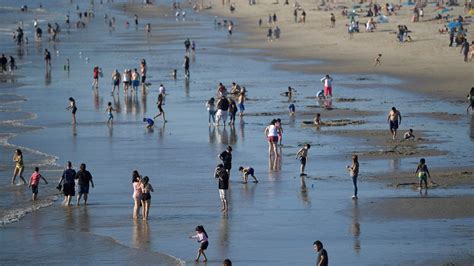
(34,182)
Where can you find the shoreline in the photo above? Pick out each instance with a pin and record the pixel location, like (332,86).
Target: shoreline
(425,74)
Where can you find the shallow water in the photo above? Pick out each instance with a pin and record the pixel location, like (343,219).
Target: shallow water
(273,222)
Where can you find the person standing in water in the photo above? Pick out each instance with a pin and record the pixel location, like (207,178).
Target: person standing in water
(83,177)
(223,177)
(19,166)
(72,106)
(322,259)
(34,182)
(241,101)
(95,75)
(147,188)
(68,183)
(159,104)
(354,173)
(116,81)
(110,116)
(226,158)
(394,119)
(143,72)
(137,193)
(470,98)
(302,155)
(422,173)
(202,238)
(47,59)
(211,109)
(186,66)
(327,81)
(271,133)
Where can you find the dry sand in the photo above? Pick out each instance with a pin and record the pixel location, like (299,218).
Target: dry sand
(427,64)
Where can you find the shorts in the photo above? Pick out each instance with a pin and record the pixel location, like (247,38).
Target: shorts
(303,160)
(227,166)
(273,139)
(135,83)
(250,172)
(394,125)
(223,194)
(291,107)
(327,91)
(241,107)
(34,189)
(116,82)
(110,116)
(68,189)
(143,79)
(83,190)
(74,110)
(146,196)
(204,245)
(126,82)
(221,114)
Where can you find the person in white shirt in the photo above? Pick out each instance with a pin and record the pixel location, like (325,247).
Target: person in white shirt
(327,81)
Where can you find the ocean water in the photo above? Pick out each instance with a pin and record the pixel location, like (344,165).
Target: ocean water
(273,222)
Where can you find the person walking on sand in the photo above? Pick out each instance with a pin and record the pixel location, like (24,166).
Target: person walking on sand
(394,119)
(210,105)
(378,60)
(333,20)
(302,155)
(108,111)
(47,59)
(327,81)
(223,184)
(470,98)
(147,188)
(354,173)
(83,177)
(34,182)
(116,81)
(248,171)
(160,108)
(322,258)
(19,166)
(95,76)
(422,173)
(72,106)
(271,133)
(137,193)
(202,238)
(186,66)
(222,109)
(68,184)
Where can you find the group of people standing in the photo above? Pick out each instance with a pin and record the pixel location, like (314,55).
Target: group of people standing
(226,106)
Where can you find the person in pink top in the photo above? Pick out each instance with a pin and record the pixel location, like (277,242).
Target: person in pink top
(327,81)
(137,193)
(34,182)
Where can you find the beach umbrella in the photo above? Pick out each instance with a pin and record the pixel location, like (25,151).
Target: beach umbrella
(453,24)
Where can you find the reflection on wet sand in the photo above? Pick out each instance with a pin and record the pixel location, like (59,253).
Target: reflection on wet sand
(97,99)
(47,78)
(224,235)
(304,192)
(355,226)
(395,164)
(141,234)
(84,221)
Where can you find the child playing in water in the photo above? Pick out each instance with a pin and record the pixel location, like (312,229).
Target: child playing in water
(34,182)
(302,155)
(409,135)
(150,122)
(201,237)
(291,109)
(354,173)
(422,173)
(317,119)
(279,130)
(109,111)
(248,172)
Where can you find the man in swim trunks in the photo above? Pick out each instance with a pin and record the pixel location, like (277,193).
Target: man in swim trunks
(83,178)
(67,180)
(242,102)
(394,119)
(160,103)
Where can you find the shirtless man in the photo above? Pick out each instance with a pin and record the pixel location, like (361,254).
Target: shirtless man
(242,102)
(394,119)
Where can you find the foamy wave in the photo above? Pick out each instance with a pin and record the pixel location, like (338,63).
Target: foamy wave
(15,215)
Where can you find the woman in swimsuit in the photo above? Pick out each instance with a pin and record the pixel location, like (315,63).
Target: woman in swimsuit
(146,197)
(137,193)
(19,167)
(72,106)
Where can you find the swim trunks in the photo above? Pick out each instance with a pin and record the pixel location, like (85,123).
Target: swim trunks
(303,160)
(394,125)
(34,189)
(68,189)
(146,196)
(241,107)
(83,190)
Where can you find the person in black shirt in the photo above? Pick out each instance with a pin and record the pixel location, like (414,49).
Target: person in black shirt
(3,63)
(226,158)
(221,174)
(322,259)
(83,178)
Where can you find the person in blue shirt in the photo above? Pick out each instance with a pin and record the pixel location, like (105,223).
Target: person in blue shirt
(150,122)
